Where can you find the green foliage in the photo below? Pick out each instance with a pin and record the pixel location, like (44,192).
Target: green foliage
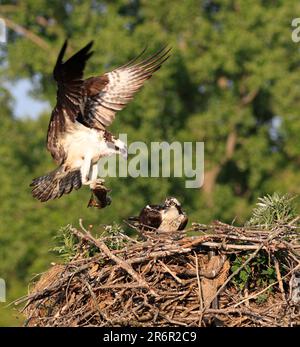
(66,242)
(259,273)
(261,299)
(114,234)
(273,210)
(68,245)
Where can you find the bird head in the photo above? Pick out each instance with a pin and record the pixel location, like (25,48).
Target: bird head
(172,202)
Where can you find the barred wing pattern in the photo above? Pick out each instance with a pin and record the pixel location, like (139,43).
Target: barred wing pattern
(111,92)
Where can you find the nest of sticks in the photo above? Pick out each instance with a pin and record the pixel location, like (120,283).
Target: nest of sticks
(172,279)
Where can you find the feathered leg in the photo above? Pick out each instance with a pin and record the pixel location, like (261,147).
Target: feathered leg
(85,169)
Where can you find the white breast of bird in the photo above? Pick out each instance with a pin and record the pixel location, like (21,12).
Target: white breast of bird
(83,141)
(171,219)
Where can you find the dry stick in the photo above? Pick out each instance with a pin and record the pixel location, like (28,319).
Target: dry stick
(123,264)
(27,33)
(279,278)
(101,314)
(200,294)
(217,226)
(179,280)
(159,254)
(67,290)
(265,289)
(185,247)
(237,236)
(247,295)
(50,290)
(205,273)
(230,310)
(130,239)
(292,250)
(187,243)
(232,246)
(117,298)
(136,229)
(297,260)
(119,286)
(245,263)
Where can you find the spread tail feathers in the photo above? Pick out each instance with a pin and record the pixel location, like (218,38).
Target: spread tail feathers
(55,184)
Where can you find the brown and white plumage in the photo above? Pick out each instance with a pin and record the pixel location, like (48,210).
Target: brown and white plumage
(168,216)
(70,90)
(77,137)
(114,90)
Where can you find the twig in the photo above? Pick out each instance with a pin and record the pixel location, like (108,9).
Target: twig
(101,314)
(268,287)
(102,246)
(274,234)
(29,34)
(279,278)
(200,294)
(179,280)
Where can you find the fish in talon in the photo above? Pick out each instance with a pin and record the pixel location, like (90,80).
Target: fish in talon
(99,197)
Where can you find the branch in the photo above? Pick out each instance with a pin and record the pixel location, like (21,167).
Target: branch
(268,287)
(247,99)
(272,236)
(102,246)
(27,33)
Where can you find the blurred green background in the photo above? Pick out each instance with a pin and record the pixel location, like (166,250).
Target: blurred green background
(233,81)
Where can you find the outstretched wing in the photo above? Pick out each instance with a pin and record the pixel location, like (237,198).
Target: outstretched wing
(69,103)
(111,92)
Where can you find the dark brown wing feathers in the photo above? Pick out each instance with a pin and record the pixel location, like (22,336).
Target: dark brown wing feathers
(150,216)
(93,85)
(68,76)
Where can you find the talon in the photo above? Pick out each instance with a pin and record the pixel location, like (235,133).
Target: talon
(92,202)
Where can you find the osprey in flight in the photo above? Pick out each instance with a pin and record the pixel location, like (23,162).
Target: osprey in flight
(77,136)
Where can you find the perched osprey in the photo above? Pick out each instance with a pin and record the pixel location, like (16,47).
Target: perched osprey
(77,136)
(168,216)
